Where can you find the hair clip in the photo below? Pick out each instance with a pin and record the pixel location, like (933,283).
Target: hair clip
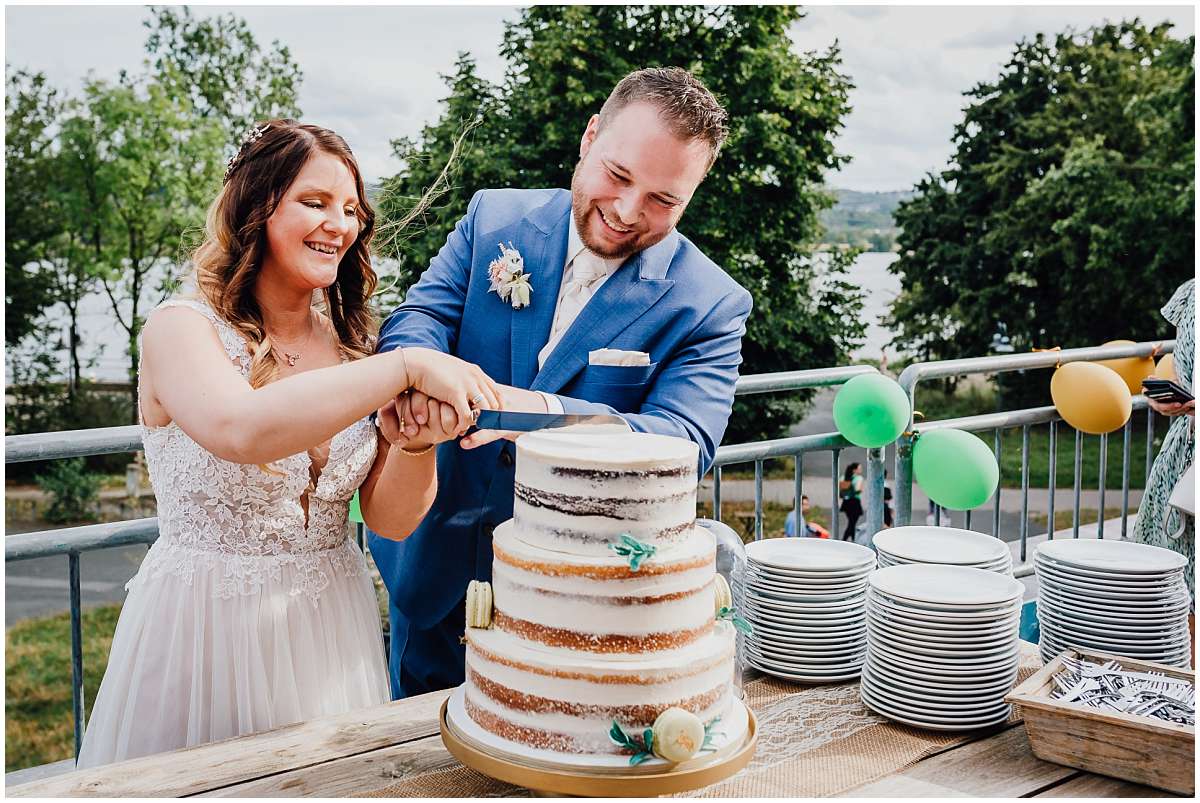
(252,136)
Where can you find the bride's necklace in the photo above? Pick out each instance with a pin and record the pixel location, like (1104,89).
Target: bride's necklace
(293,358)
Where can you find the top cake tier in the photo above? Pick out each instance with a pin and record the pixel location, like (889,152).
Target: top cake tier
(580,492)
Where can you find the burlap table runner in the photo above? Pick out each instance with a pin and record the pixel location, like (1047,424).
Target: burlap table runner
(813,741)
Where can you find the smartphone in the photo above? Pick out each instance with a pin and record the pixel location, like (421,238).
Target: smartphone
(1165,391)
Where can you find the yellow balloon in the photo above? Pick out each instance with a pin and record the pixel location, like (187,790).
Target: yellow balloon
(1090,397)
(1132,369)
(1165,368)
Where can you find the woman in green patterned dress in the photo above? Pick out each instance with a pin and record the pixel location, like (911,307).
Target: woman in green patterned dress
(1175,456)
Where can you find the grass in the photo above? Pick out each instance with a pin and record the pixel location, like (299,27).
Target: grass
(38,725)
(740,516)
(1062,518)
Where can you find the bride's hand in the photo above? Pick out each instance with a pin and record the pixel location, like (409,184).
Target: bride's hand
(460,384)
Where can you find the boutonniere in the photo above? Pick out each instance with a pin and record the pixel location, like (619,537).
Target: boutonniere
(509,279)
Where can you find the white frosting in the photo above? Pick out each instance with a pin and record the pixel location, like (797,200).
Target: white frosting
(647,488)
(663,677)
(554,569)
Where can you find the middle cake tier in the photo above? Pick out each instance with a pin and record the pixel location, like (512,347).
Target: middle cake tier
(599,604)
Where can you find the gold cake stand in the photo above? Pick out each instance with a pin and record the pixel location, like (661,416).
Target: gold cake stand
(580,781)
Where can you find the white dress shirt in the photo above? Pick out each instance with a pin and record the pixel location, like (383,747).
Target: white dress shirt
(574,296)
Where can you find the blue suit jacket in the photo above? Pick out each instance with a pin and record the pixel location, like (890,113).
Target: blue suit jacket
(669,301)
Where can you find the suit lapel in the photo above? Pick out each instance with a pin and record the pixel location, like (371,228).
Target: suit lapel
(623,298)
(544,234)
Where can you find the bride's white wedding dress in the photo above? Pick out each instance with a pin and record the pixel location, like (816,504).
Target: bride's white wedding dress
(242,617)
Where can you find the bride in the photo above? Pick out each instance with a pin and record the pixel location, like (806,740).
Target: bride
(254,608)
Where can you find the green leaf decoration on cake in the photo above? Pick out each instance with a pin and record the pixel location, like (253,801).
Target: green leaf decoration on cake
(709,733)
(633,549)
(642,750)
(730,615)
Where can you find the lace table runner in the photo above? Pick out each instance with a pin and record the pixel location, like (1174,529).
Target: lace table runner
(813,741)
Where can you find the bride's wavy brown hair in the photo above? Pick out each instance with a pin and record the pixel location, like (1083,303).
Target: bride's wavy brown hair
(228,260)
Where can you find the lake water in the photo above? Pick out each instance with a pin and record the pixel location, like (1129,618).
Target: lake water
(104,341)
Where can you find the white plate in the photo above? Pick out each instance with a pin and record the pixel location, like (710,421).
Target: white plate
(810,574)
(908,612)
(937,656)
(1090,579)
(771,595)
(951,690)
(1090,587)
(1059,620)
(800,589)
(1135,622)
(1059,642)
(809,554)
(933,723)
(1069,600)
(1106,574)
(943,666)
(948,629)
(829,610)
(947,641)
(1170,647)
(807,646)
(956,680)
(930,698)
(947,586)
(807,677)
(801,626)
(1125,557)
(794,635)
(923,544)
(929,708)
(821,663)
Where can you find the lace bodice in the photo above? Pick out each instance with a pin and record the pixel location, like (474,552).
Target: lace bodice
(249,518)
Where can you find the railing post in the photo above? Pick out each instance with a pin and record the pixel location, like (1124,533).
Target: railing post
(874,491)
(904,480)
(76,649)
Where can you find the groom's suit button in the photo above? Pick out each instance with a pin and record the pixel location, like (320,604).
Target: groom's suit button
(506,459)
(488,529)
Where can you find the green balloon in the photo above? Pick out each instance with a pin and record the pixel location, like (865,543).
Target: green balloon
(956,469)
(355,511)
(871,410)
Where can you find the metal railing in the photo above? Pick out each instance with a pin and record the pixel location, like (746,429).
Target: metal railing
(74,541)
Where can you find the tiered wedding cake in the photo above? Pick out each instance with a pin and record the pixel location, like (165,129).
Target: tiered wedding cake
(603,597)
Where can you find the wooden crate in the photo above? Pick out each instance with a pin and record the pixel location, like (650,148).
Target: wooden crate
(1133,748)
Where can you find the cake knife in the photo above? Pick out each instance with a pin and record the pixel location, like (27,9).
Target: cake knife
(528,422)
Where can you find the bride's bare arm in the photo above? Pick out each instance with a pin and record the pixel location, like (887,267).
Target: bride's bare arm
(198,386)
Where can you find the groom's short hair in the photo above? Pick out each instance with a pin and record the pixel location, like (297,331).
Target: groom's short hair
(688,108)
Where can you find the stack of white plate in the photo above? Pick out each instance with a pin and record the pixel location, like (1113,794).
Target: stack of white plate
(805,599)
(942,645)
(946,545)
(1115,597)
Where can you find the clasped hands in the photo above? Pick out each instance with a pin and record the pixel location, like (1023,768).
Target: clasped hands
(415,420)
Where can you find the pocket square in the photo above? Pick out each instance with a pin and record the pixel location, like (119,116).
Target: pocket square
(617,357)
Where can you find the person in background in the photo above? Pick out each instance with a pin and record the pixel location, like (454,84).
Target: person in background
(793,528)
(850,490)
(1157,524)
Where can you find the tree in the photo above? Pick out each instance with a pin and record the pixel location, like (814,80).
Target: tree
(157,167)
(1068,212)
(32,111)
(755,214)
(218,66)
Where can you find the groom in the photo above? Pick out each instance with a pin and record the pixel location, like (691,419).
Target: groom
(624,315)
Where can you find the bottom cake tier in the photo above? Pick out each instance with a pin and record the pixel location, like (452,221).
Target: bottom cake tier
(566,700)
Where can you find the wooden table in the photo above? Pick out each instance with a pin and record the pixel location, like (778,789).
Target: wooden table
(371,749)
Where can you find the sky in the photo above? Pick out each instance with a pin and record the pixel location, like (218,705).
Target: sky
(372,73)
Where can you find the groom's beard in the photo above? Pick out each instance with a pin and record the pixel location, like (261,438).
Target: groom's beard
(584,210)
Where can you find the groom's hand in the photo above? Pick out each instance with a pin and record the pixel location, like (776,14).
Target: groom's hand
(522,401)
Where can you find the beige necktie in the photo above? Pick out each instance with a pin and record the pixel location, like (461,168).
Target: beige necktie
(586,270)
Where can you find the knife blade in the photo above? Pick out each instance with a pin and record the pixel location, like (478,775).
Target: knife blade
(529,422)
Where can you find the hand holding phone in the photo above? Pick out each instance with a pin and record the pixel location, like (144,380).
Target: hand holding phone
(1165,391)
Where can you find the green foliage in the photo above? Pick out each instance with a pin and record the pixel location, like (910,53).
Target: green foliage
(755,214)
(72,489)
(1068,211)
(32,109)
(218,67)
(37,683)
